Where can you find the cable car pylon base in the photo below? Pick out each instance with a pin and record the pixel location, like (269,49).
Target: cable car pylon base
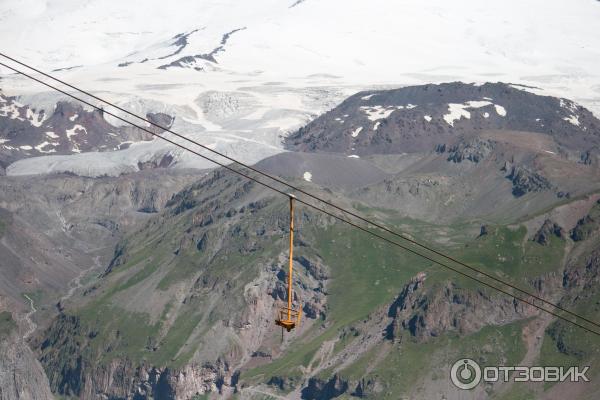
(288,317)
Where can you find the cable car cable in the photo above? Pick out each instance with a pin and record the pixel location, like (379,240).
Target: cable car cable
(310,195)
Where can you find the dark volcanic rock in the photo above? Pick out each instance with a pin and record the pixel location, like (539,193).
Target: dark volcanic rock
(474,151)
(546,231)
(284,383)
(587,225)
(161,119)
(192,61)
(525,181)
(417,118)
(484,230)
(367,387)
(318,389)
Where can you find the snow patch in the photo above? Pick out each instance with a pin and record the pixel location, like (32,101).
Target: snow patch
(35,119)
(376,126)
(74,117)
(477,103)
(377,112)
(353,156)
(357,131)
(307,176)
(500,110)
(26,147)
(455,112)
(573,119)
(76,130)
(427,118)
(568,104)
(41,146)
(52,135)
(11,111)
(4,141)
(367,97)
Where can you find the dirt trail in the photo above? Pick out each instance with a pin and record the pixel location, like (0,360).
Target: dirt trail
(533,336)
(32,326)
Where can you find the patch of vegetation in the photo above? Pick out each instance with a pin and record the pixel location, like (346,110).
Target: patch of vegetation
(406,364)
(175,339)
(37,296)
(507,252)
(7,324)
(517,391)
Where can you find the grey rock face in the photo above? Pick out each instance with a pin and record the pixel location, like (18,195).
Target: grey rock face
(21,375)
(425,312)
(474,151)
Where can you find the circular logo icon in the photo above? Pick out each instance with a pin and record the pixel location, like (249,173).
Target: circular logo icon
(465,374)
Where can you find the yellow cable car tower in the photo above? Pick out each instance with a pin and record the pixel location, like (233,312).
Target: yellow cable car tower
(289,318)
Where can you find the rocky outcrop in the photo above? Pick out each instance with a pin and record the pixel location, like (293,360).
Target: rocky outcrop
(71,374)
(284,383)
(21,375)
(546,231)
(367,387)
(587,225)
(26,131)
(590,156)
(474,151)
(318,389)
(484,230)
(525,181)
(583,275)
(424,312)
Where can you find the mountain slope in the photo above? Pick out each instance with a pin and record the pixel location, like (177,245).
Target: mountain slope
(201,279)
(416,119)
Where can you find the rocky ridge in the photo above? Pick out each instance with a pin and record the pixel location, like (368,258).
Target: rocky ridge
(67,129)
